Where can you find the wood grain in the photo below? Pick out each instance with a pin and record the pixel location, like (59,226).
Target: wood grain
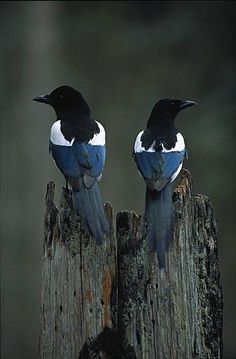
(112,301)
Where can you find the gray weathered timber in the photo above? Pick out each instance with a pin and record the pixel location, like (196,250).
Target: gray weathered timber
(113,301)
(77,277)
(176,313)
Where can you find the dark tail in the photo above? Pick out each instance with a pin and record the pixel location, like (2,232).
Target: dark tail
(89,204)
(160,221)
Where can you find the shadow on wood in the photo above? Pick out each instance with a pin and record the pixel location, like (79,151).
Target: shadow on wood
(112,301)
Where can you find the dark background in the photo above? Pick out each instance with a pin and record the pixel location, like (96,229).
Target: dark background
(123,57)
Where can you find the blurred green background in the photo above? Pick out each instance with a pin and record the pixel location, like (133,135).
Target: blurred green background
(123,57)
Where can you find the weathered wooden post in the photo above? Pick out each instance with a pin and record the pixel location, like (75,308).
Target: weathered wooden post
(113,302)
(77,279)
(176,313)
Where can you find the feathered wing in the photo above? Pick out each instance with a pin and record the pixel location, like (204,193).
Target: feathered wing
(158,168)
(82,165)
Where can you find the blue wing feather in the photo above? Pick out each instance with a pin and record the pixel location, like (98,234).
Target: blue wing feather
(158,165)
(97,155)
(79,159)
(66,160)
(82,155)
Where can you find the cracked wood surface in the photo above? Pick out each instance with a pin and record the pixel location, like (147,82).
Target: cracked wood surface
(112,301)
(76,281)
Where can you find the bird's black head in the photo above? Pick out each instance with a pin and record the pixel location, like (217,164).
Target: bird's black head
(65,99)
(167,109)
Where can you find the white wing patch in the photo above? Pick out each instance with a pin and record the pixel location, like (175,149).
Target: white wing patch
(57,137)
(99,139)
(138,145)
(179,146)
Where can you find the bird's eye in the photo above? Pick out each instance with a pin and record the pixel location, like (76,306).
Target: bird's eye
(61,96)
(172,103)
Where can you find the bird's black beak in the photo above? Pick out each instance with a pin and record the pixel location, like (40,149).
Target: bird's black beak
(184,104)
(43,99)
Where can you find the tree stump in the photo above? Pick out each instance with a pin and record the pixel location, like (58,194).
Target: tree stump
(112,301)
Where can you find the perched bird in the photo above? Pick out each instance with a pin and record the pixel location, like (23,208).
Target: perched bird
(77,144)
(159,151)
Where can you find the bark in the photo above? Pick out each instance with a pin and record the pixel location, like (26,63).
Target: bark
(113,301)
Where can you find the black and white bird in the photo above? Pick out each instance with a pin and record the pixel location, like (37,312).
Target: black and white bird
(77,144)
(159,151)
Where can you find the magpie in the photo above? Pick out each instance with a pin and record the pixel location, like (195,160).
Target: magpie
(159,151)
(77,145)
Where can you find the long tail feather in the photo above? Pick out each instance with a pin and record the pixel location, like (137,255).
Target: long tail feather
(89,204)
(160,221)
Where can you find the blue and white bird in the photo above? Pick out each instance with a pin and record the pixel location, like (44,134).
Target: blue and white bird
(77,144)
(159,151)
